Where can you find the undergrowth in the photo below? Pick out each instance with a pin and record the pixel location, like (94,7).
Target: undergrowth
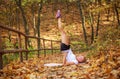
(108,40)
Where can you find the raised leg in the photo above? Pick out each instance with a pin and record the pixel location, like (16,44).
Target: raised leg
(64,37)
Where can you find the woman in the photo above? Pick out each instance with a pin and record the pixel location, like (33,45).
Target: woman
(68,57)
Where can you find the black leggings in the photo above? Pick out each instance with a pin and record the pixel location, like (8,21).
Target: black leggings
(64,47)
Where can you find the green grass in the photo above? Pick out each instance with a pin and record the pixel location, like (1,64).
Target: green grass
(7,58)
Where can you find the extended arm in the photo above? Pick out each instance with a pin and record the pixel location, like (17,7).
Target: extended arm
(64,58)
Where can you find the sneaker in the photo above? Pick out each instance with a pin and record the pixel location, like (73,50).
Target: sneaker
(58,14)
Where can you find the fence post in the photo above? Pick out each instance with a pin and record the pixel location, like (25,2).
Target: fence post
(38,42)
(52,47)
(1,61)
(26,43)
(19,42)
(44,47)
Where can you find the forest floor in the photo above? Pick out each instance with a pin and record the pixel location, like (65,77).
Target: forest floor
(92,69)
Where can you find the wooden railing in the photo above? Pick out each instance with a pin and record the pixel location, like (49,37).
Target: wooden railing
(20,49)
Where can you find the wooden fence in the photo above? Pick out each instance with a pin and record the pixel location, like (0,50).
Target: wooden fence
(20,50)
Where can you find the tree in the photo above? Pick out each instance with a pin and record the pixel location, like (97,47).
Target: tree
(98,21)
(82,19)
(92,28)
(67,6)
(117,13)
(38,23)
(19,4)
(33,18)
(1,61)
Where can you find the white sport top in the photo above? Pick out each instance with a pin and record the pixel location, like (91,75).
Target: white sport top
(71,57)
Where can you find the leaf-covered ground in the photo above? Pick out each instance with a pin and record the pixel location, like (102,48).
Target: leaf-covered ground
(99,67)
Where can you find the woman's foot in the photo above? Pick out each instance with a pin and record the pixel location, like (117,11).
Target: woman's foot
(58,14)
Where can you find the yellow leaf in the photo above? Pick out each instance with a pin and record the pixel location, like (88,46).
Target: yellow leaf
(108,69)
(112,63)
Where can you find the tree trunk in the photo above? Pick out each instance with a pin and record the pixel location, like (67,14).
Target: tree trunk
(9,16)
(82,19)
(117,14)
(108,14)
(48,1)
(99,2)
(17,19)
(33,18)
(98,21)
(38,24)
(18,2)
(67,6)
(92,28)
(53,8)
(24,21)
(1,61)
(108,10)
